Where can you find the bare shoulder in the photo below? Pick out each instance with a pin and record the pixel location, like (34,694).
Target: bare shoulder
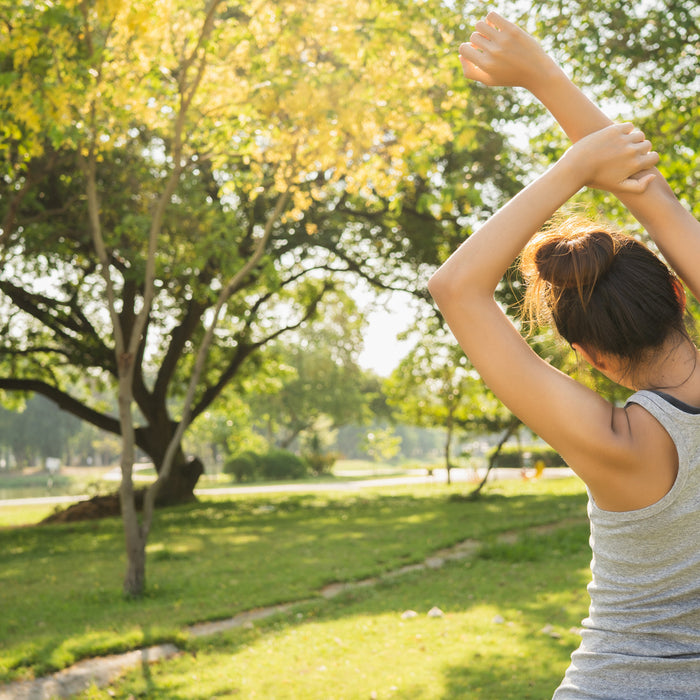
(646,433)
(645,469)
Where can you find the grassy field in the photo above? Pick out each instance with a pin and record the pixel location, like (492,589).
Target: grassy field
(60,593)
(34,483)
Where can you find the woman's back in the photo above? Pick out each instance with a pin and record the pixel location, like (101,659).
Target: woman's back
(642,637)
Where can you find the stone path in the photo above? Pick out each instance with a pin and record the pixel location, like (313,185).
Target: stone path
(103,670)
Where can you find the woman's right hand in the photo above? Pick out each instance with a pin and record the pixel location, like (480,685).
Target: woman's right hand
(499,53)
(617,158)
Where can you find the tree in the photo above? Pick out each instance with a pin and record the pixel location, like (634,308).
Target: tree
(228,427)
(163,166)
(319,383)
(382,444)
(36,432)
(434,386)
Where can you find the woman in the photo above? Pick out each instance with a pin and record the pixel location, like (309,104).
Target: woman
(622,311)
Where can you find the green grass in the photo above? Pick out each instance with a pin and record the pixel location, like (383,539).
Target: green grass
(18,515)
(359,647)
(60,588)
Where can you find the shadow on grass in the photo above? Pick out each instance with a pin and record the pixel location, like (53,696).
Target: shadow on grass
(147,677)
(534,583)
(499,680)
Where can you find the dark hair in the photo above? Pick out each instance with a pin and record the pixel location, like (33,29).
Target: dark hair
(602,289)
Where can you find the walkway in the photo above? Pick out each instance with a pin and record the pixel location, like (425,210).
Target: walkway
(438,477)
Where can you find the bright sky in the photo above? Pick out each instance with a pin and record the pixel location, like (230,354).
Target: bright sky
(382,350)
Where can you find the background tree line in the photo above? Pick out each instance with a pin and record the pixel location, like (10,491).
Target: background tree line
(310,396)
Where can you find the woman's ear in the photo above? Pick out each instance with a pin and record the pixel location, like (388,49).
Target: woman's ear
(591,356)
(679,291)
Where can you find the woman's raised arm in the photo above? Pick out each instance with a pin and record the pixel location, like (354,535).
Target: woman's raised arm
(563,412)
(500,53)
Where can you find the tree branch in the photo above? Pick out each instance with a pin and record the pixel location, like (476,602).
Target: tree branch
(514,424)
(65,325)
(203,353)
(63,400)
(178,338)
(244,350)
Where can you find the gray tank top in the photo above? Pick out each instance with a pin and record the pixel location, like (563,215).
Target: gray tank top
(641,640)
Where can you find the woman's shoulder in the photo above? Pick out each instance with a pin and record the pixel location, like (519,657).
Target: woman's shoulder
(644,471)
(665,406)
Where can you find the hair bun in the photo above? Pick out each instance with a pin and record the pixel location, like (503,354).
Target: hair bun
(602,289)
(574,259)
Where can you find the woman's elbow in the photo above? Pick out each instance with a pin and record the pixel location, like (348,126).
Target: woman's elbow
(448,285)
(455,295)
(442,290)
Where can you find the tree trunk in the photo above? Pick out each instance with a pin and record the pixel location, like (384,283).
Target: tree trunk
(512,427)
(448,449)
(179,486)
(135,576)
(180,483)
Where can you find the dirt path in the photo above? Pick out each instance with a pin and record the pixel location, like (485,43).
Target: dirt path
(103,670)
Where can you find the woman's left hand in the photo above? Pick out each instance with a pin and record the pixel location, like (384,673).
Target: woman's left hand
(617,158)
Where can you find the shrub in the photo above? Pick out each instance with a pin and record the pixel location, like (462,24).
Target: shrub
(514,457)
(244,467)
(321,462)
(275,465)
(282,464)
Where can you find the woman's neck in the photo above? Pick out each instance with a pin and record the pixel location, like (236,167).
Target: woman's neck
(674,369)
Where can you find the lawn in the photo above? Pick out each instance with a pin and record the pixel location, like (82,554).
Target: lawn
(60,586)
(36,483)
(506,634)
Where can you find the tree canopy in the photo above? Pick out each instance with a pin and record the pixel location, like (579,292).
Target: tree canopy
(262,145)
